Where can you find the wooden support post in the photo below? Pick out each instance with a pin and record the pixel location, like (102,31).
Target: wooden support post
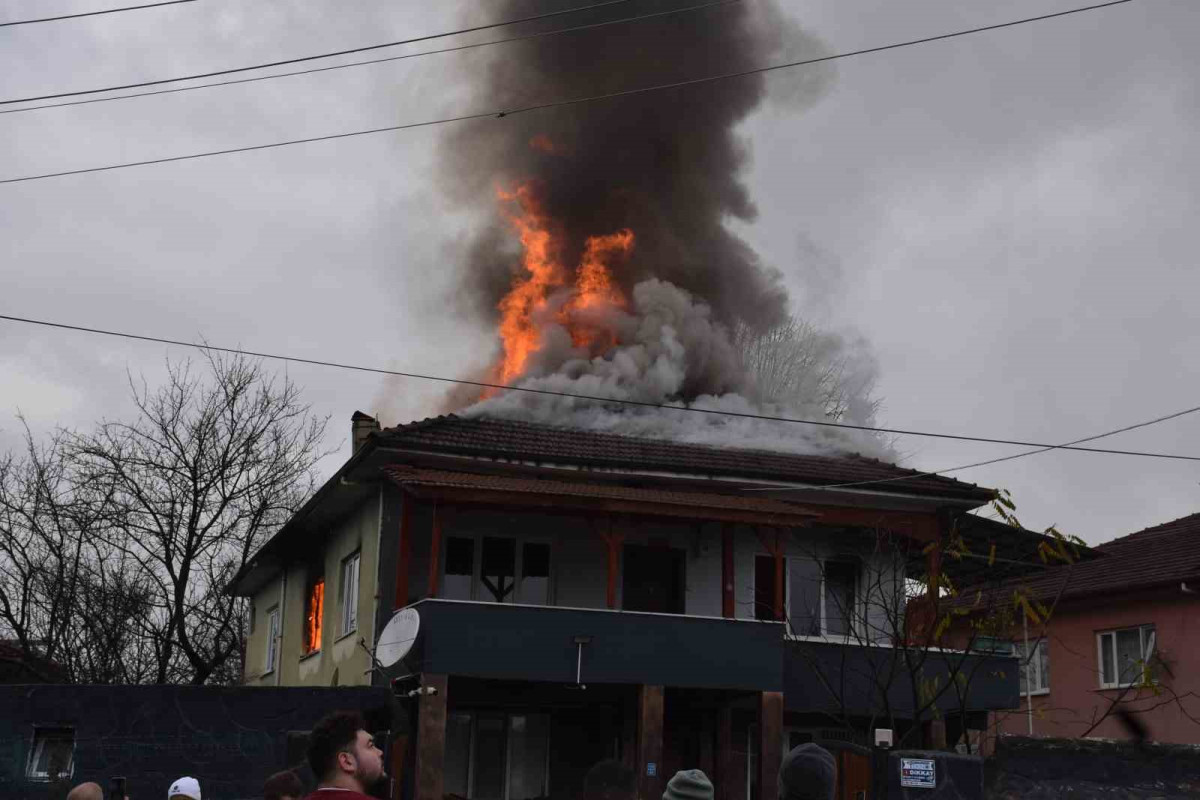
(770,744)
(727,782)
(650,742)
(404,556)
(779,578)
(431,739)
(612,541)
(728,576)
(435,551)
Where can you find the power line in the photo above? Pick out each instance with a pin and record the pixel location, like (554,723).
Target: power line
(559,103)
(539,35)
(592,398)
(301,59)
(93,13)
(1065,446)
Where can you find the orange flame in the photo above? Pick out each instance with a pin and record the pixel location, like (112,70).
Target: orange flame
(525,309)
(312,620)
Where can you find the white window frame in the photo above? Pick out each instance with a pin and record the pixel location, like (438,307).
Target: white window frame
(349,591)
(1143,641)
(41,736)
(506,716)
(855,617)
(518,566)
(1031,666)
(271,653)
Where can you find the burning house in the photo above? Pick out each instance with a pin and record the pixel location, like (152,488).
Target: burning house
(583,595)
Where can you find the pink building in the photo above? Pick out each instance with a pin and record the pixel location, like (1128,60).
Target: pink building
(1124,637)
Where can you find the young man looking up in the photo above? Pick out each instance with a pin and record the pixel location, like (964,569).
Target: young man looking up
(344,758)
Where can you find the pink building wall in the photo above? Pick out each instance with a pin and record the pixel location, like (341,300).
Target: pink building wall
(1075,698)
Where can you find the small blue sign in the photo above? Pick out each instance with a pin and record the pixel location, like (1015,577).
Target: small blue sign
(651,768)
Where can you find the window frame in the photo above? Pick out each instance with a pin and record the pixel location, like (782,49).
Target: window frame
(42,735)
(519,542)
(271,662)
(506,716)
(347,599)
(309,588)
(1028,664)
(855,621)
(1117,669)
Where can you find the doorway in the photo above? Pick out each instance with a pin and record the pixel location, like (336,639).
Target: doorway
(653,579)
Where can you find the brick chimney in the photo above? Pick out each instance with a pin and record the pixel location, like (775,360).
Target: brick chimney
(361,426)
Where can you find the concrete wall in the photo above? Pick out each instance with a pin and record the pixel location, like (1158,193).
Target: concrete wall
(1075,699)
(340,661)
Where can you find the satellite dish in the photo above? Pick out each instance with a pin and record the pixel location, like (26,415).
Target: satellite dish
(398,637)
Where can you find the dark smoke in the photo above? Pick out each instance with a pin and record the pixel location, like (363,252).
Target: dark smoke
(666,165)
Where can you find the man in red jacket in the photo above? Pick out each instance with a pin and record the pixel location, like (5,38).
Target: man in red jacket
(344,758)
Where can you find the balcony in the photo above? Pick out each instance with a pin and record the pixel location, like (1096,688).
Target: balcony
(549,644)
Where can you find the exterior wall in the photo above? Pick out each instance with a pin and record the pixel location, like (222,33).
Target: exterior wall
(340,661)
(1075,699)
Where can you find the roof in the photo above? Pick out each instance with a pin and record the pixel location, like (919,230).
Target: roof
(545,444)
(1162,555)
(485,488)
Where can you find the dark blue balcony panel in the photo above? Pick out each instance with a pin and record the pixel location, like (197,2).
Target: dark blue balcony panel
(850,680)
(534,643)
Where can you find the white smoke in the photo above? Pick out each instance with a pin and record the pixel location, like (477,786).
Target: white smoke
(668,343)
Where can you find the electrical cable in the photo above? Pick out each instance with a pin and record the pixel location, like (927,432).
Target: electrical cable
(539,35)
(591,398)
(301,59)
(93,13)
(560,103)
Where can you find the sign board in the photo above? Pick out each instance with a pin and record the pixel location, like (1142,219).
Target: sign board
(918,773)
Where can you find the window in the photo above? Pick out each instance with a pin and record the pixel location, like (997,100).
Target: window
(52,755)
(764,588)
(272,640)
(1035,671)
(496,569)
(497,756)
(349,594)
(314,612)
(1125,656)
(822,597)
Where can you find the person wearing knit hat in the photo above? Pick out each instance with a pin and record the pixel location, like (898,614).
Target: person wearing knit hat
(689,784)
(184,789)
(808,772)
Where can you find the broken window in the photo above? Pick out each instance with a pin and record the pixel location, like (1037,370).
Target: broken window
(53,754)
(314,613)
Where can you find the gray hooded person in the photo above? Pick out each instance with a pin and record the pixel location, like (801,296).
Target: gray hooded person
(809,772)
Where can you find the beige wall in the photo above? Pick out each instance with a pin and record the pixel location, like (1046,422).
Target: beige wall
(341,661)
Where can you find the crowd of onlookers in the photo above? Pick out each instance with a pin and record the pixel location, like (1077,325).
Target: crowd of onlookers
(347,764)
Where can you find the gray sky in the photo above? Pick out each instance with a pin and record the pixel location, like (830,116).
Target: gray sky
(1007,219)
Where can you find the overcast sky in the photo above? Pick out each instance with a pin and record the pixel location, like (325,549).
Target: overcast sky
(1008,220)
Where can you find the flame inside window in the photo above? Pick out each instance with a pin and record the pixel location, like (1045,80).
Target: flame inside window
(314,611)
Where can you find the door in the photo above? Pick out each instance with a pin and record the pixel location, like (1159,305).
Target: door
(653,579)
(854,775)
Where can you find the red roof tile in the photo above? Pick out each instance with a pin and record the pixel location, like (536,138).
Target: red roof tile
(545,444)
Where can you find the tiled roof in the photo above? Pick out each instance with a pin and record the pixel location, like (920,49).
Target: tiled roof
(549,445)
(1162,555)
(764,509)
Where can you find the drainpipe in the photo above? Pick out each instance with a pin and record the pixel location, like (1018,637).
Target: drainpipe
(1025,668)
(282,619)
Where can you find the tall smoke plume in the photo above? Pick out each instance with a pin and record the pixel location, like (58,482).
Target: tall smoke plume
(664,166)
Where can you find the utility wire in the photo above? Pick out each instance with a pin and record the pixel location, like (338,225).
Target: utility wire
(490,43)
(301,59)
(93,13)
(918,474)
(560,103)
(592,398)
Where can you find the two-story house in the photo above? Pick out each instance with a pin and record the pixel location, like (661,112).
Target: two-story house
(584,595)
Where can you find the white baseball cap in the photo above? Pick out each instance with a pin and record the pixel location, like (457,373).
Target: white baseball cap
(187,787)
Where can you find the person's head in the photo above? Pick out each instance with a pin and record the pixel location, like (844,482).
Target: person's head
(689,784)
(86,791)
(283,786)
(610,780)
(808,772)
(342,753)
(184,789)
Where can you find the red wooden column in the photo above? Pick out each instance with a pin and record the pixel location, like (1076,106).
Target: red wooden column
(770,744)
(431,739)
(728,576)
(612,541)
(727,782)
(404,556)
(650,742)
(435,551)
